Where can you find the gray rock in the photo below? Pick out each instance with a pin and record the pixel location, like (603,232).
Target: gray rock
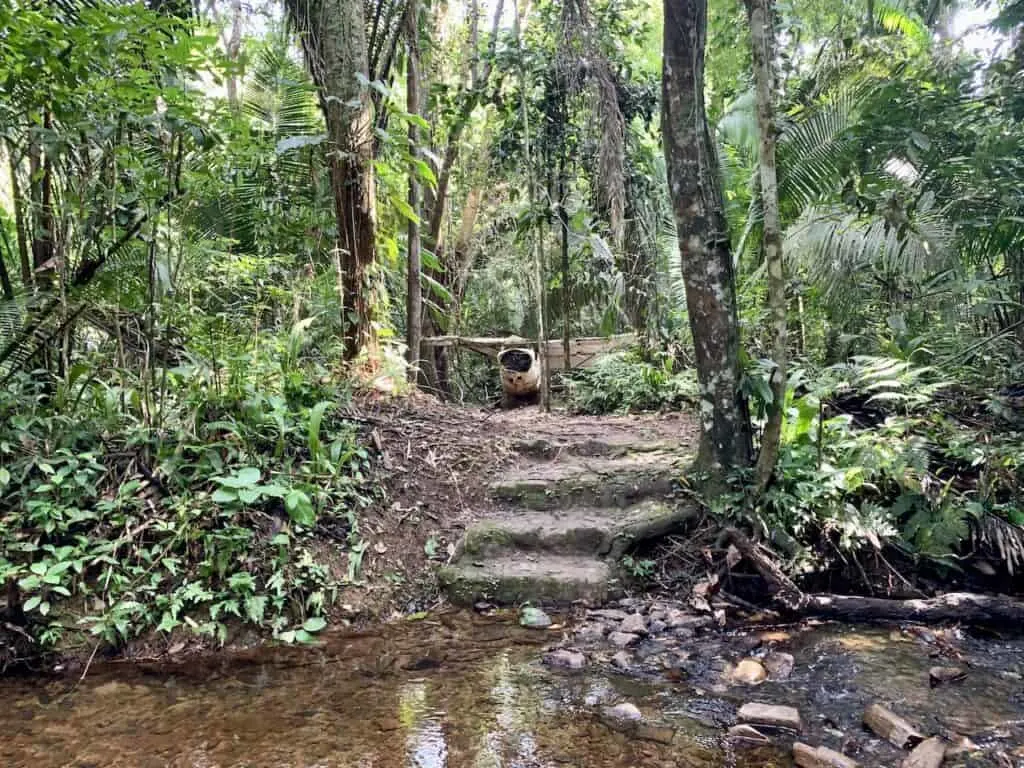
(657,614)
(630,603)
(634,624)
(747,735)
(564,658)
(534,618)
(624,712)
(770,715)
(779,665)
(591,633)
(657,626)
(677,619)
(623,639)
(612,614)
(622,660)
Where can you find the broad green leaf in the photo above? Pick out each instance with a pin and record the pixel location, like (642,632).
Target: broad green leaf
(249,495)
(224,496)
(314,624)
(300,508)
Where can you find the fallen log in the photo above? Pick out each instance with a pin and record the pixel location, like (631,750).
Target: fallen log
(961,607)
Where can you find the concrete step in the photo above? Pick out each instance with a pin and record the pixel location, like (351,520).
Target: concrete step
(516,578)
(594,531)
(593,482)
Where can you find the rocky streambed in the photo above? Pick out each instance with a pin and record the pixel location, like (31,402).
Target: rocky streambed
(641,683)
(815,693)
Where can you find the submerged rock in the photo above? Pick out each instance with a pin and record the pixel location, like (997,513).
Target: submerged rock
(928,754)
(747,735)
(773,715)
(623,639)
(622,660)
(624,712)
(891,727)
(749,672)
(779,665)
(941,675)
(534,618)
(564,658)
(634,624)
(807,756)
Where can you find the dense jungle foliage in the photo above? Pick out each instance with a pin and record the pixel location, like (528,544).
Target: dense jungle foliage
(221,222)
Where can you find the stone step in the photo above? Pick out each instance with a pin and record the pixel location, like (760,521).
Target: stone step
(595,531)
(513,579)
(594,482)
(590,446)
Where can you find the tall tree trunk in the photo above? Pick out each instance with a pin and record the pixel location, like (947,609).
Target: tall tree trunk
(334,42)
(414,290)
(436,368)
(538,246)
(563,220)
(41,191)
(20,225)
(703,240)
(762,39)
(232,49)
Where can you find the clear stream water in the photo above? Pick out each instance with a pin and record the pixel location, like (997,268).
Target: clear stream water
(461,691)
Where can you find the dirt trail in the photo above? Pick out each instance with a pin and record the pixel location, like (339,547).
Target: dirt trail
(572,495)
(518,505)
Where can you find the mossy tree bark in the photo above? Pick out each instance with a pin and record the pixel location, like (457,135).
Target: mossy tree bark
(703,240)
(334,41)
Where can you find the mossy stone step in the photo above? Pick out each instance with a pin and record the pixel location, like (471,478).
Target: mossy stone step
(608,446)
(602,531)
(597,482)
(513,579)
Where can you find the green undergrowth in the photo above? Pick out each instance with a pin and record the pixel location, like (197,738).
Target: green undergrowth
(630,381)
(881,454)
(195,501)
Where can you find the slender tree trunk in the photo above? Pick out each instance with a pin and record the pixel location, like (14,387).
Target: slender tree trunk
(762,38)
(334,41)
(463,251)
(6,288)
(232,48)
(563,220)
(538,247)
(436,368)
(20,226)
(703,240)
(414,294)
(41,191)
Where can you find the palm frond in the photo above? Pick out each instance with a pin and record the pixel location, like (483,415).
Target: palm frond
(815,146)
(839,248)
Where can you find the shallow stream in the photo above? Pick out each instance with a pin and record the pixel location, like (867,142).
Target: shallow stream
(461,691)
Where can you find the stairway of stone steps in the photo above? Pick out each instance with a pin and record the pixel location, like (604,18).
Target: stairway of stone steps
(567,513)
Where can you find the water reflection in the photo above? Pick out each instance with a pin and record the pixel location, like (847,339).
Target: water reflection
(483,702)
